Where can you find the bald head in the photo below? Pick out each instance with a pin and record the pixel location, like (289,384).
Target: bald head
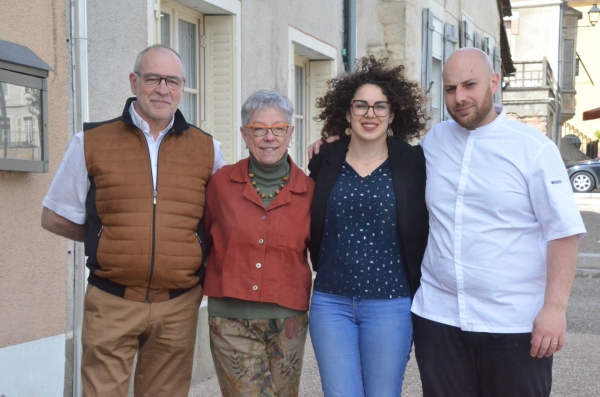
(469,87)
(470,60)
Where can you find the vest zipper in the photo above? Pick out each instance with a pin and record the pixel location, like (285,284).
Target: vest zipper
(198,237)
(153,244)
(153,219)
(101,229)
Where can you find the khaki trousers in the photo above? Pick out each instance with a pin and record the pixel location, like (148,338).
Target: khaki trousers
(162,334)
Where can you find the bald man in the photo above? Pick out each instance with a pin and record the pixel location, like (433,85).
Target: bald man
(502,248)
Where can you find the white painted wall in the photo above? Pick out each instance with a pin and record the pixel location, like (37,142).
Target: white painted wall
(33,369)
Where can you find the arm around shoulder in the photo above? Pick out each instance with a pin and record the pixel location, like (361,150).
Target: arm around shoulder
(61,226)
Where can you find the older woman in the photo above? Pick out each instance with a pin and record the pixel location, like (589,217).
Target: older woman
(257,277)
(369,230)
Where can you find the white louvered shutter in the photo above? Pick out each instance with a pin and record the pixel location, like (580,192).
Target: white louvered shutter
(319,73)
(220,83)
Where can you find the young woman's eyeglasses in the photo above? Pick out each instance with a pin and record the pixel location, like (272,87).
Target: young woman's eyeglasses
(153,80)
(360,108)
(261,129)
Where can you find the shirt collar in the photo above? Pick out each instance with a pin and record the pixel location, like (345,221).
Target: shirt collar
(488,127)
(141,123)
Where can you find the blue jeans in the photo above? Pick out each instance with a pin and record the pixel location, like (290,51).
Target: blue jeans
(362,346)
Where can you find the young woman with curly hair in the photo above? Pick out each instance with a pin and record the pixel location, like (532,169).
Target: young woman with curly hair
(369,229)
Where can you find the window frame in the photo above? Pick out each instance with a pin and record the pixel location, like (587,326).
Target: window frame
(178,12)
(24,76)
(298,149)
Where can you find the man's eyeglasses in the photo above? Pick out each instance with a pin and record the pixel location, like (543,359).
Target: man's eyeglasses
(153,80)
(261,129)
(360,108)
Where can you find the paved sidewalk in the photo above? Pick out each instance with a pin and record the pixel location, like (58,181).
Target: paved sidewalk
(576,367)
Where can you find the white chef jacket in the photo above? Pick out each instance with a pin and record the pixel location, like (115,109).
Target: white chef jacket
(496,195)
(69,188)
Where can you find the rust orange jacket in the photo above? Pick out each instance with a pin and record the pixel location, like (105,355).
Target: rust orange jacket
(258,254)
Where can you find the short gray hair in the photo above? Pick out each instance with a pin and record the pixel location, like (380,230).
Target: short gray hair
(266,99)
(140,56)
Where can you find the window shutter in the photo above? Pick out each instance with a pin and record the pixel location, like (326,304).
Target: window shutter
(568,61)
(427,49)
(438,39)
(319,74)
(221,114)
(466,35)
(476,40)
(485,45)
(450,40)
(498,69)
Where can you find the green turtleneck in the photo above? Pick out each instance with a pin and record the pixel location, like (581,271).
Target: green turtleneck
(267,178)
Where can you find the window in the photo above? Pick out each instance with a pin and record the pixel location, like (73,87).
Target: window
(179,29)
(23,110)
(439,41)
(206,45)
(299,122)
(312,64)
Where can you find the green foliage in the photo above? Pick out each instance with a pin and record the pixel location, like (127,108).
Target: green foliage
(597,134)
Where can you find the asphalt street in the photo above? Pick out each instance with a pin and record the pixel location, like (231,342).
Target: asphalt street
(576,368)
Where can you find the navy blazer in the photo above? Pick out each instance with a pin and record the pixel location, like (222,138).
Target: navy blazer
(407,165)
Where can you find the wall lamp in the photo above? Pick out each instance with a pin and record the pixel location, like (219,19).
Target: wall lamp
(594,15)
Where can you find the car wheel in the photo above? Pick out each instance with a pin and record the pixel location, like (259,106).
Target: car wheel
(582,182)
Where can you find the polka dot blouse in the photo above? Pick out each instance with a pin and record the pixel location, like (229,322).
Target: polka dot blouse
(360,254)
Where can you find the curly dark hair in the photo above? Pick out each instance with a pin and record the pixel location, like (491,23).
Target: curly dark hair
(404,96)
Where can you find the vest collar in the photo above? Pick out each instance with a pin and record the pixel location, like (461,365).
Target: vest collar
(179,124)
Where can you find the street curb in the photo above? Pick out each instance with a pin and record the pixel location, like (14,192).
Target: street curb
(583,272)
(589,261)
(586,195)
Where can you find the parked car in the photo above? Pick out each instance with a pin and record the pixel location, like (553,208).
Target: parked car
(584,175)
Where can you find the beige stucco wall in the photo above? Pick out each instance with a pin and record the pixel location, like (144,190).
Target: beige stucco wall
(34,263)
(541,23)
(588,95)
(117,32)
(265,42)
(394,29)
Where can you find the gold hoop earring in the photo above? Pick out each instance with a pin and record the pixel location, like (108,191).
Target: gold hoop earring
(390,133)
(348,131)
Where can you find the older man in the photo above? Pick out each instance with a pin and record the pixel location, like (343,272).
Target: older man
(133,189)
(502,247)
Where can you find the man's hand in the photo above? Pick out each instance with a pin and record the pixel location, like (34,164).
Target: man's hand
(57,224)
(550,325)
(549,329)
(314,147)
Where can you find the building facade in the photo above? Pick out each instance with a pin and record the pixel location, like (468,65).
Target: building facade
(230,48)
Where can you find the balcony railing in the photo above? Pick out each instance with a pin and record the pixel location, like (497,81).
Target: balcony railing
(531,74)
(581,141)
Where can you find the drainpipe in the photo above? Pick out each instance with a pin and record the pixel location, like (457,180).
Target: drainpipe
(350,15)
(559,75)
(80,115)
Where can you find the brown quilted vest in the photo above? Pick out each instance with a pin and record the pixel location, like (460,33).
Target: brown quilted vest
(148,247)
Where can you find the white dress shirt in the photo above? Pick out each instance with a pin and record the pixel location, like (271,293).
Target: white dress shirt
(496,195)
(69,188)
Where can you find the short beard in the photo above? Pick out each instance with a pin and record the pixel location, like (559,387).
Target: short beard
(482,111)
